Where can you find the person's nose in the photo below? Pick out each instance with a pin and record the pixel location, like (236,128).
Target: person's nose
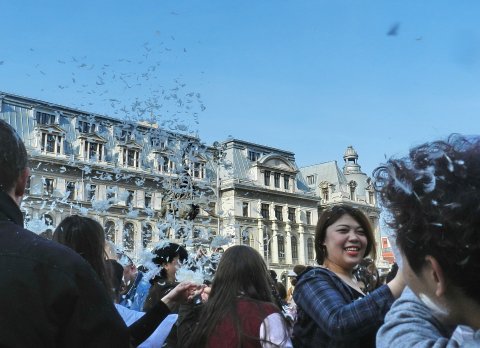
(353,237)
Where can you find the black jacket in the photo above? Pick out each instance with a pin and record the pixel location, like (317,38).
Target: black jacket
(49,295)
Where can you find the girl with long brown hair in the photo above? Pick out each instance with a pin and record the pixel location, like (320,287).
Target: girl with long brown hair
(240,311)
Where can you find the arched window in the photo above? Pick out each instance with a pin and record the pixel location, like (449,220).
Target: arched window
(110,231)
(129,237)
(294,243)
(147,233)
(310,249)
(281,248)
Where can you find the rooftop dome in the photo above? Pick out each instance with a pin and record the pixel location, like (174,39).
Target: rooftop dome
(350,157)
(350,153)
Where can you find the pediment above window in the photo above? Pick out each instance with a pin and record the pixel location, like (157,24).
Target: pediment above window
(131,144)
(276,162)
(92,137)
(50,128)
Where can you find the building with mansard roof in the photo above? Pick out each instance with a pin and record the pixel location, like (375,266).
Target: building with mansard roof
(140,182)
(348,185)
(264,206)
(143,184)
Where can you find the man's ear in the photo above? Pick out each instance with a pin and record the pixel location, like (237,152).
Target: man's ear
(21,183)
(435,275)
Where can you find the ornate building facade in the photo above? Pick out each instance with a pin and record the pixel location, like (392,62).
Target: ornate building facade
(144,184)
(263,205)
(349,186)
(140,182)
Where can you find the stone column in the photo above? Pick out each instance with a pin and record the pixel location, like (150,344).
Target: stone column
(61,145)
(288,244)
(302,245)
(258,236)
(274,243)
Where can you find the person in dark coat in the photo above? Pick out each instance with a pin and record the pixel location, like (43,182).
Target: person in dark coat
(49,296)
(168,257)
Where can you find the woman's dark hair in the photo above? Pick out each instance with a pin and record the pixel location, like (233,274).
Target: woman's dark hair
(242,273)
(115,270)
(433,200)
(168,252)
(165,254)
(393,272)
(87,237)
(329,217)
(14,156)
(367,273)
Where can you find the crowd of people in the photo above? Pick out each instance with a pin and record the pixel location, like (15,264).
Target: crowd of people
(76,291)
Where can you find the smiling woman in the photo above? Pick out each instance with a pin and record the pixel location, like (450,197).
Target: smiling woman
(332,309)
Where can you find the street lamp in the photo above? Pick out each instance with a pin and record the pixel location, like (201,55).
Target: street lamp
(266,244)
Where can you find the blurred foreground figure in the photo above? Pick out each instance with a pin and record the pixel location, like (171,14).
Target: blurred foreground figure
(49,295)
(433,200)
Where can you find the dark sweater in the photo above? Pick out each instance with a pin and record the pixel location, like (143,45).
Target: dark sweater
(49,295)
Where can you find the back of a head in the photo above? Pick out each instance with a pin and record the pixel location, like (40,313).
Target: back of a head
(13,158)
(433,198)
(87,237)
(273,274)
(82,234)
(115,269)
(298,269)
(242,271)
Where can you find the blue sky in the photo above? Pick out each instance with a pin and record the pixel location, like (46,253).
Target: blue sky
(311,77)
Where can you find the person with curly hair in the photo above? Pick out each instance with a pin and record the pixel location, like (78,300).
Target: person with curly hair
(433,200)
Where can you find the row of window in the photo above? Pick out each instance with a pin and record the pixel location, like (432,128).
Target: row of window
(91,192)
(128,235)
(276,179)
(95,152)
(281,247)
(52,142)
(278,209)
